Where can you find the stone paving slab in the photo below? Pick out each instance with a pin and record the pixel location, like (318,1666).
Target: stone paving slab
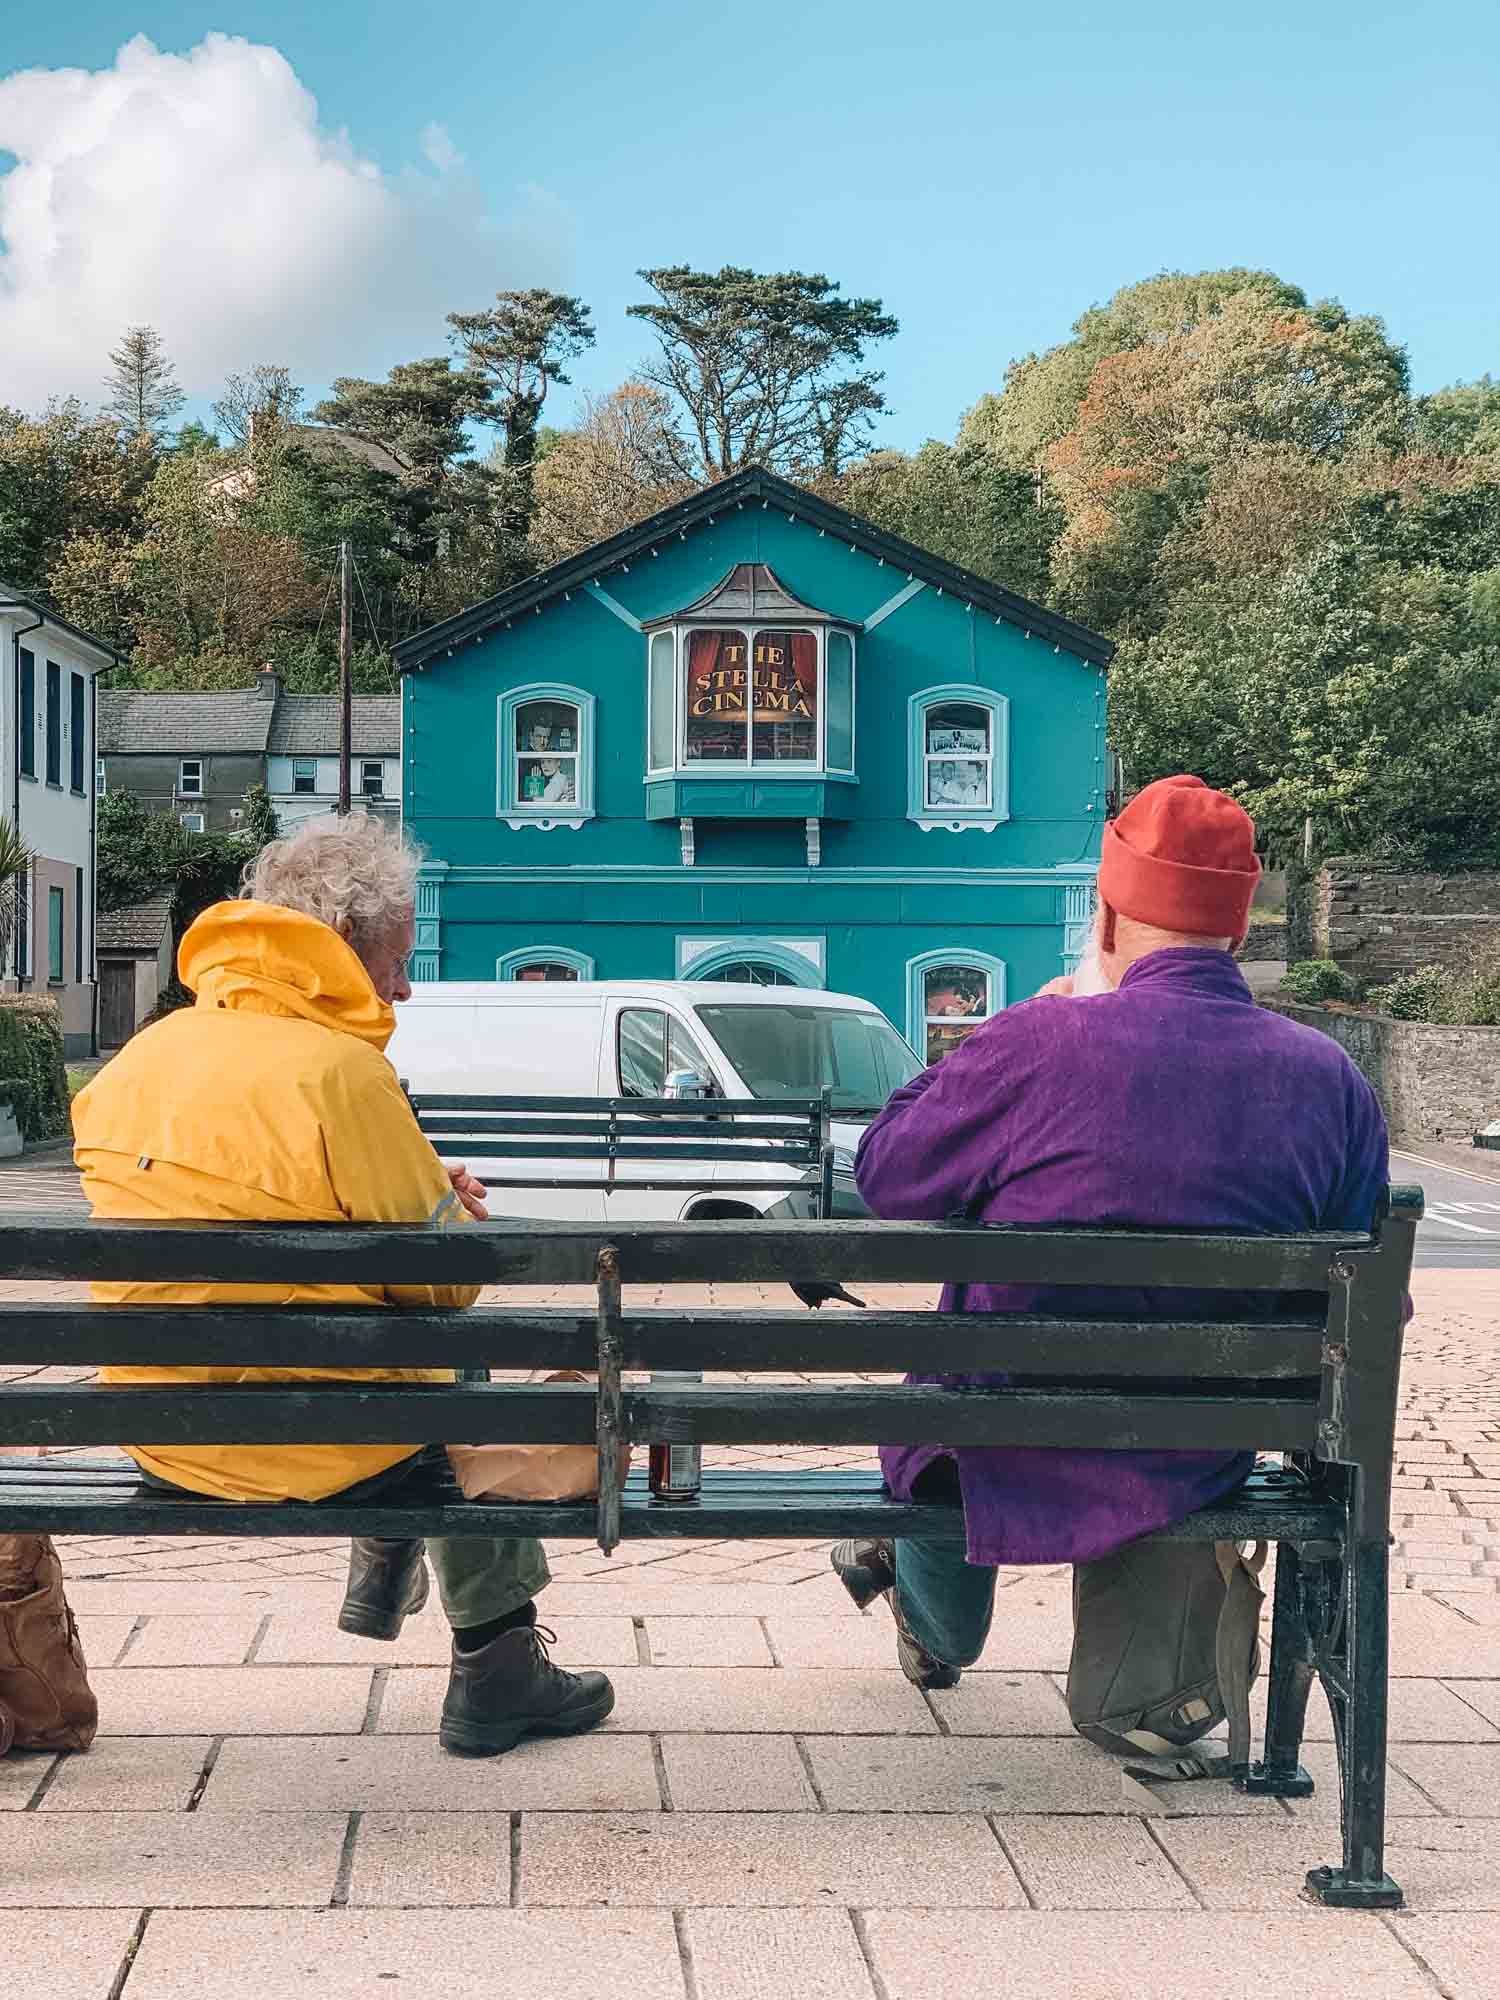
(124,1860)
(595,1773)
(129,1774)
(1094,1864)
(313,1639)
(436,1860)
(68,1955)
(737,1699)
(680,1860)
(747,1773)
(1015,1774)
(774,1955)
(707,1642)
(1065,1955)
(232,1701)
(1462,1952)
(1441,1864)
(20,1774)
(357,1954)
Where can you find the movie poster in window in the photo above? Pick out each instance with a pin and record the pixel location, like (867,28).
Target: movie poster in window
(717,690)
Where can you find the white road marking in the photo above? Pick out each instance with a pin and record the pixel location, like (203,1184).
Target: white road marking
(1443,1167)
(1434,1215)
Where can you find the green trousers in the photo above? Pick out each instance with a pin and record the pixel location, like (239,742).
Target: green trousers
(480,1578)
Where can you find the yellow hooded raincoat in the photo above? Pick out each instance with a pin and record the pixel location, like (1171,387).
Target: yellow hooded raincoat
(271,1100)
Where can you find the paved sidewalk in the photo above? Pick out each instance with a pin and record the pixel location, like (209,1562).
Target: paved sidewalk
(771,1811)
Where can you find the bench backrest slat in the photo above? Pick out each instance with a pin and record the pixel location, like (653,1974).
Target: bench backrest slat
(871,1343)
(759,1251)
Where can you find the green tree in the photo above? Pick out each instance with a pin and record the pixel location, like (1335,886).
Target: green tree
(256,405)
(64,474)
(1359,692)
(626,459)
(963,504)
(521,346)
(1043,392)
(1463,419)
(768,366)
(143,393)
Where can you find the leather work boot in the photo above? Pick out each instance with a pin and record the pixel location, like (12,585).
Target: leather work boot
(867,1570)
(45,1699)
(509,1689)
(387,1583)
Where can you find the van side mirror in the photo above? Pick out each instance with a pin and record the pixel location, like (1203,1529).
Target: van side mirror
(687,1083)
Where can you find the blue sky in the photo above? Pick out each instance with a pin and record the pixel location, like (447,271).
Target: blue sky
(987,171)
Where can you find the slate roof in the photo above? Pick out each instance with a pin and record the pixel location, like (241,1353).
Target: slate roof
(244,721)
(770,490)
(184,724)
(138,927)
(751,590)
(307,725)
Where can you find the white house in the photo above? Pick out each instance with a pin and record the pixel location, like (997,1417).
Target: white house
(47,729)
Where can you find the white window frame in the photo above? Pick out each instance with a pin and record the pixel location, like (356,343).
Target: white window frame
(966,959)
(799,767)
(190,788)
(184,821)
(958,819)
(511,964)
(297,791)
(101,780)
(366,766)
(545,814)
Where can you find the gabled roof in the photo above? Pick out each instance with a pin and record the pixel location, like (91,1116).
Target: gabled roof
(307,725)
(138,927)
(770,490)
(751,590)
(190,725)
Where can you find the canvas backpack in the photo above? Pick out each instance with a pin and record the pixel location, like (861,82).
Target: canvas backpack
(1165,1646)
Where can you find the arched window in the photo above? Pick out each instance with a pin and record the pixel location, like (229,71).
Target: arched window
(958,758)
(750,972)
(543,962)
(949,994)
(546,756)
(752,961)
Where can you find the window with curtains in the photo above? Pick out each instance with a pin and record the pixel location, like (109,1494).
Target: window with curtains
(750,696)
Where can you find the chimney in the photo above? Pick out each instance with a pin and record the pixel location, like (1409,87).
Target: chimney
(268,682)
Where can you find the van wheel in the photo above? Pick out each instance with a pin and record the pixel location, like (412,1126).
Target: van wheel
(723,1211)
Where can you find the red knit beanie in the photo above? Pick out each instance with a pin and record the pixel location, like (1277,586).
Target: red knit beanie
(1182,857)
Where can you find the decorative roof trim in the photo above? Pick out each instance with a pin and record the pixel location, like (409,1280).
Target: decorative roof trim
(755,483)
(736,599)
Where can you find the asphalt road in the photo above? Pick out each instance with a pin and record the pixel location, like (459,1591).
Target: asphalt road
(1462,1223)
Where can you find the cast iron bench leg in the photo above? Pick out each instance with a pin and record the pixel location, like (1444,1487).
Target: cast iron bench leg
(1289,1681)
(1353,1666)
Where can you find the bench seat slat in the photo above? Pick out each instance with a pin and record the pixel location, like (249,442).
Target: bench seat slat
(82,1497)
(714,1137)
(731,1151)
(793,1110)
(868,1343)
(760,1251)
(563,1413)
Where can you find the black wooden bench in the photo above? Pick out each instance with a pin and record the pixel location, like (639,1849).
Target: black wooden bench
(1318,1388)
(778,1145)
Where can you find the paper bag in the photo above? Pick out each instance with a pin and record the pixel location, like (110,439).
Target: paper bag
(532,1471)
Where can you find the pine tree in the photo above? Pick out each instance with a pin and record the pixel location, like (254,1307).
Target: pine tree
(143,391)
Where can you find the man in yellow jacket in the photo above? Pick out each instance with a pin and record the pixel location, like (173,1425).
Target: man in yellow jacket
(271,1100)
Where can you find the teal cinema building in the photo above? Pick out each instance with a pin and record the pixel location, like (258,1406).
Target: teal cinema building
(756,737)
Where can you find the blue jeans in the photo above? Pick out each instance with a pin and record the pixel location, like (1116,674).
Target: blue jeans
(947,1602)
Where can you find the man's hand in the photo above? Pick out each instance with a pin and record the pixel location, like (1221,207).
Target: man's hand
(1061,987)
(470,1192)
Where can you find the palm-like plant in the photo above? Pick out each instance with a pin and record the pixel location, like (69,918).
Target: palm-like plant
(15,859)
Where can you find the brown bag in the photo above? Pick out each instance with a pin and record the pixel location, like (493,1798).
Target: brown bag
(45,1699)
(532,1471)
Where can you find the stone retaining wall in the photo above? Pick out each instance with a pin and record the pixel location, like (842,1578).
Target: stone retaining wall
(1378,920)
(1432,1082)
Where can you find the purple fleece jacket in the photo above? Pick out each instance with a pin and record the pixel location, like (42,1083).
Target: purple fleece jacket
(1175,1102)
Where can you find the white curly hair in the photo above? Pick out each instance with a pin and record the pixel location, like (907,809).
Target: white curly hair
(356,874)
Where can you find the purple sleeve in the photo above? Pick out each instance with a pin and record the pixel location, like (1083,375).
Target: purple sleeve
(940,1145)
(1367,1157)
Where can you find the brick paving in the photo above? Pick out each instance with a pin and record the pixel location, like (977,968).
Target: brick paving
(771,1811)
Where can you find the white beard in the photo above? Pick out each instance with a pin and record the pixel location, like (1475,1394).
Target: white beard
(1088,976)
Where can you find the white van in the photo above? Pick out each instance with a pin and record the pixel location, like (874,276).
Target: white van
(626,1038)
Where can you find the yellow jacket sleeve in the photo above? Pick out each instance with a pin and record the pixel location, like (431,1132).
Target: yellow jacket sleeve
(384,1170)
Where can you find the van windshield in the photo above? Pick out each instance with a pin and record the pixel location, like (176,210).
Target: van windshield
(791,1051)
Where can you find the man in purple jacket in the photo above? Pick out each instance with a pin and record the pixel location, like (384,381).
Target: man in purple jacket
(1169,1101)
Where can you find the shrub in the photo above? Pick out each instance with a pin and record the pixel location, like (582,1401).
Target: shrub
(1469,999)
(1315,979)
(31,1052)
(15,1095)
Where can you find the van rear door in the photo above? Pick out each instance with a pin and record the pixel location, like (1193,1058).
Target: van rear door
(541,1045)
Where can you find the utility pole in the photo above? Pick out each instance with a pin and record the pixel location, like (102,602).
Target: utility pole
(346,681)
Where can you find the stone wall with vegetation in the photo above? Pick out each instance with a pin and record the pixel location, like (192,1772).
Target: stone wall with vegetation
(1433,1082)
(1378,920)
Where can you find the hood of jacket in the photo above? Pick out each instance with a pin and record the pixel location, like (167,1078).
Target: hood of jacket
(258,958)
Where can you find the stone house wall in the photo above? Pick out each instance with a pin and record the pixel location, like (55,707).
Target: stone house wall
(1377,920)
(1432,1082)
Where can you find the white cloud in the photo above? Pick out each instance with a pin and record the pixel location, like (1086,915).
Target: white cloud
(198,194)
